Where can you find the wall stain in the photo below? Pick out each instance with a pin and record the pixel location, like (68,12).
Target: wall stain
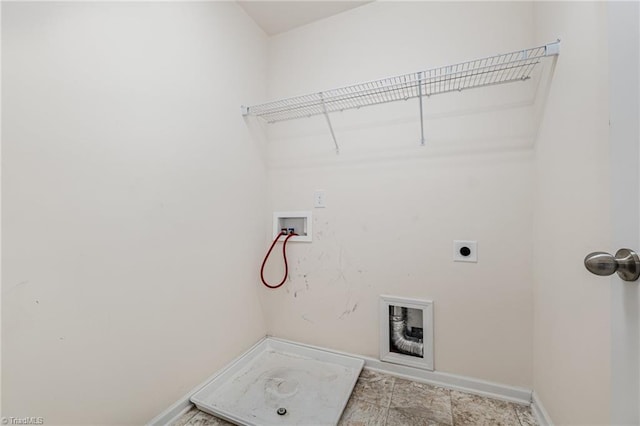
(348,311)
(341,269)
(7,289)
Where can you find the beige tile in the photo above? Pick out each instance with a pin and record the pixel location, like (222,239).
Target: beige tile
(411,416)
(184,419)
(475,410)
(525,415)
(419,403)
(205,419)
(374,388)
(360,413)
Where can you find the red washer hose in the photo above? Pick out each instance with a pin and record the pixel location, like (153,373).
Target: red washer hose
(284,255)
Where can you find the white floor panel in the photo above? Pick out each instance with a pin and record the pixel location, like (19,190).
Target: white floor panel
(312,385)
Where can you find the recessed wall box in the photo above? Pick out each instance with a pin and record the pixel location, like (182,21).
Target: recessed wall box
(299,221)
(406,331)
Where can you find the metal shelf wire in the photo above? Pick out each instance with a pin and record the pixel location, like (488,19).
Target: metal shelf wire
(498,69)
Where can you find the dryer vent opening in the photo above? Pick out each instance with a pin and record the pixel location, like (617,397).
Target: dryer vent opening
(406,331)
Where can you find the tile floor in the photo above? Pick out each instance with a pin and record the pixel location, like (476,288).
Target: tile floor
(382,400)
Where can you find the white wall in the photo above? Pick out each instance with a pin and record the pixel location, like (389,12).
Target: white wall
(125,159)
(394,208)
(572,218)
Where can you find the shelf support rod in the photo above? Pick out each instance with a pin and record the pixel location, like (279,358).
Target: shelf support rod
(326,115)
(421,113)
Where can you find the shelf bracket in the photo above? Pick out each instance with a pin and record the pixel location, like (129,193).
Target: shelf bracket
(552,49)
(326,115)
(420,75)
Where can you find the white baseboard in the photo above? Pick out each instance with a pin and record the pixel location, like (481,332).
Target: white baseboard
(445,380)
(451,381)
(541,415)
(173,413)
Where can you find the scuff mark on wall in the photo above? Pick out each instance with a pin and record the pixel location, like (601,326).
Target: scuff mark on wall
(343,266)
(14,287)
(348,311)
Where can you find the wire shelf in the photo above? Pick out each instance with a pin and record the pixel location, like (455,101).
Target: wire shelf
(498,69)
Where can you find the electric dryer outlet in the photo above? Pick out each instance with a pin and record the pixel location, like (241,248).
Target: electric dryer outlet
(465,251)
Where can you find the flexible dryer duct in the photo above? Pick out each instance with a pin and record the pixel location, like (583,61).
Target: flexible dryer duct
(398,337)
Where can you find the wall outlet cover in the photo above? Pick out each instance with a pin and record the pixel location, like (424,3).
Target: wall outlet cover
(319,199)
(465,251)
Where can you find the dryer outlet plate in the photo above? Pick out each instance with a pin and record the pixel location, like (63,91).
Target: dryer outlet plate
(465,251)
